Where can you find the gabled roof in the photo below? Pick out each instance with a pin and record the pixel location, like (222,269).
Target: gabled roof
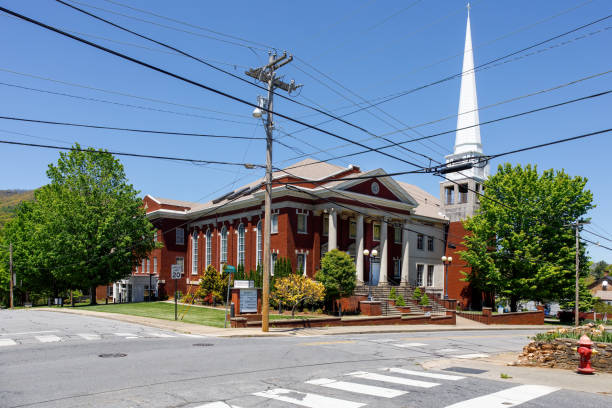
(428,205)
(169,201)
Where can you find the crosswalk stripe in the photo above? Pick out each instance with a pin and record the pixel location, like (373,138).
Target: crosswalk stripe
(89,336)
(7,342)
(128,335)
(51,338)
(217,404)
(409,344)
(470,356)
(307,399)
(358,388)
(391,379)
(447,350)
(505,398)
(162,335)
(425,374)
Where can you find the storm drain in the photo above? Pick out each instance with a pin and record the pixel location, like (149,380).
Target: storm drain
(203,345)
(465,370)
(112,355)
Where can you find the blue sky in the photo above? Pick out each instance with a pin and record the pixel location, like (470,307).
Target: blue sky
(374,48)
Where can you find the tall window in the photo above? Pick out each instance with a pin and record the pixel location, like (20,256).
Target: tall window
(352,229)
(463,193)
(155,264)
(420,239)
(419,280)
(223,257)
(397,235)
(148,265)
(144,263)
(430,271)
(180,236)
(259,244)
(208,247)
(180,261)
(301,263)
(273,262)
(241,244)
(430,243)
(155,236)
(274,228)
(376,232)
(194,253)
(301,224)
(449,194)
(325,225)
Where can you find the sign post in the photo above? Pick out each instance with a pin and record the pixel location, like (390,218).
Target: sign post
(228,269)
(176,272)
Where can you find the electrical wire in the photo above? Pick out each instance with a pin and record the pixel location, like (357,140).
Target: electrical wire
(160,132)
(596,234)
(148,156)
(596,243)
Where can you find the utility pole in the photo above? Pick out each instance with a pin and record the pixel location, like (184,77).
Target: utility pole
(576,226)
(11,305)
(267,74)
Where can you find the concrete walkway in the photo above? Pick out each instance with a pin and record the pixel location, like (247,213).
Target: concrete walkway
(190,328)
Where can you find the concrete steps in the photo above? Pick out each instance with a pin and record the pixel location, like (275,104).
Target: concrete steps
(381,293)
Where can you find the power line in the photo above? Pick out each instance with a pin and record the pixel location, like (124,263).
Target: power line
(596,234)
(160,132)
(182,159)
(597,244)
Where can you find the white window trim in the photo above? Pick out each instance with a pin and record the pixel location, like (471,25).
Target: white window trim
(419,284)
(259,241)
(274,230)
(238,252)
(221,254)
(182,258)
(208,248)
(433,276)
(379,231)
(194,253)
(155,264)
(305,223)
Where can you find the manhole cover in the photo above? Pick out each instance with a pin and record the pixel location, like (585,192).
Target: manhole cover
(203,345)
(465,370)
(112,355)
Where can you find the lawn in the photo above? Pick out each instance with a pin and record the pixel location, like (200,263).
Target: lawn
(163,310)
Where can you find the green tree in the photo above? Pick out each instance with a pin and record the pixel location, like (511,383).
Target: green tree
(598,269)
(521,246)
(211,286)
(295,290)
(337,274)
(424,301)
(86,228)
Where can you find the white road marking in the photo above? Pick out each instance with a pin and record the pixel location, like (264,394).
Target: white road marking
(382,340)
(157,334)
(425,374)
(128,335)
(470,356)
(447,350)
(391,379)
(89,336)
(358,388)
(7,342)
(307,400)
(32,332)
(51,338)
(217,404)
(506,398)
(197,336)
(405,345)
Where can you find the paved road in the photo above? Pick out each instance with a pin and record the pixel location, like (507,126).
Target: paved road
(53,360)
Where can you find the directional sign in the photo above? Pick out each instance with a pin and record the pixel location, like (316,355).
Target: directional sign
(177,271)
(229,269)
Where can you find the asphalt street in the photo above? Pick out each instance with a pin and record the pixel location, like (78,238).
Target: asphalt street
(52,359)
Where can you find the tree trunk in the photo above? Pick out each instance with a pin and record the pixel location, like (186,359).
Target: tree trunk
(93,296)
(293,311)
(513,304)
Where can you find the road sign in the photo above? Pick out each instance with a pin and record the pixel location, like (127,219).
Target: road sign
(177,271)
(229,269)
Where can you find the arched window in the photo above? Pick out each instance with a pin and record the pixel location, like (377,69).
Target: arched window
(240,245)
(223,257)
(208,248)
(194,253)
(259,244)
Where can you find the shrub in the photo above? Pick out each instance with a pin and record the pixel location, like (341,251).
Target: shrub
(393,294)
(424,299)
(295,290)
(416,295)
(337,274)
(400,301)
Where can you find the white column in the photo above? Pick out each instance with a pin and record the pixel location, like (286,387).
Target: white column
(359,249)
(405,255)
(383,253)
(332,242)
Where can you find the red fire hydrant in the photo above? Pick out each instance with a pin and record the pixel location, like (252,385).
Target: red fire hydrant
(585,350)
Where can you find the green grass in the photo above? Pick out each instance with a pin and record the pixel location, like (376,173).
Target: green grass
(605,337)
(164,311)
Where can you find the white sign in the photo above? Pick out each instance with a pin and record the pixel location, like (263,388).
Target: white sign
(244,284)
(248,300)
(177,271)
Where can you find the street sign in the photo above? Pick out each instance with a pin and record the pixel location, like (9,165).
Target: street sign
(229,269)
(177,271)
(244,284)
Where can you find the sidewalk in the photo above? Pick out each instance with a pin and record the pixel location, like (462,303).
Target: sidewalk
(499,364)
(189,328)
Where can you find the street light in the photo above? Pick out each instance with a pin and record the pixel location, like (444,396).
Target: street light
(447,260)
(374,254)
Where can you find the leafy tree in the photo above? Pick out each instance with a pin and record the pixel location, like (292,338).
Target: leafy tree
(520,245)
(294,290)
(598,269)
(337,274)
(282,267)
(211,286)
(86,228)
